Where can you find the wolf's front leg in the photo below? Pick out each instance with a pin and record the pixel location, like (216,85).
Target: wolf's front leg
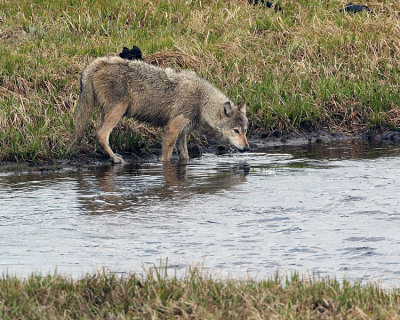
(171,133)
(110,120)
(181,147)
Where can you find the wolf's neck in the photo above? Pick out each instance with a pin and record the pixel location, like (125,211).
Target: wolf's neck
(213,104)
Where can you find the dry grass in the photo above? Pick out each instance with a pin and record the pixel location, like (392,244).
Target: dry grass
(194,296)
(308,67)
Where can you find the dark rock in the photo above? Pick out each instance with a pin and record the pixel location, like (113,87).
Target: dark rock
(221,149)
(194,150)
(355,8)
(268,4)
(277,134)
(391,136)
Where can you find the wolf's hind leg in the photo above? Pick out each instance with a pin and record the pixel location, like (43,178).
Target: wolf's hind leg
(110,120)
(181,147)
(171,133)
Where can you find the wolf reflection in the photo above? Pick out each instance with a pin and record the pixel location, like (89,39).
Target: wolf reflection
(130,189)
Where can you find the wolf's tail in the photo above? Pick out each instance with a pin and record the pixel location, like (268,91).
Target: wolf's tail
(85,107)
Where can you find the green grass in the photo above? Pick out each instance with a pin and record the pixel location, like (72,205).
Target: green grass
(193,296)
(310,66)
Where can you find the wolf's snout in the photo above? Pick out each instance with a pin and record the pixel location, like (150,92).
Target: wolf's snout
(244,149)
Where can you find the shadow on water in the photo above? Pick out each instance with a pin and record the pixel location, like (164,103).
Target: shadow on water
(120,189)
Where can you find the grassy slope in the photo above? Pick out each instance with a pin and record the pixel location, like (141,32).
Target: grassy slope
(195,296)
(310,66)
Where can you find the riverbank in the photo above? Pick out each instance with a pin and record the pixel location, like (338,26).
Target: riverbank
(194,296)
(91,158)
(309,67)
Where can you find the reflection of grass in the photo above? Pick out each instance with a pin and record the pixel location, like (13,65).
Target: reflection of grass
(308,165)
(307,67)
(195,296)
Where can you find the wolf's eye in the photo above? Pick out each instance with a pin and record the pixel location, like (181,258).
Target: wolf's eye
(236,130)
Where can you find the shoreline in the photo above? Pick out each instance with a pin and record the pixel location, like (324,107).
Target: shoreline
(258,142)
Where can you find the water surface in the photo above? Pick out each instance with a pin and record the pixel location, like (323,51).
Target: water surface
(332,210)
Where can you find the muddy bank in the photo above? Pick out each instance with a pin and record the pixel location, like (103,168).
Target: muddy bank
(261,141)
(276,140)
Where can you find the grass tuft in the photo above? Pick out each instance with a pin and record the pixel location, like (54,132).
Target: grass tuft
(196,295)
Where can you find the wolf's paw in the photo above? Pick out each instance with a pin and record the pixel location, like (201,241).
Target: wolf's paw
(117,159)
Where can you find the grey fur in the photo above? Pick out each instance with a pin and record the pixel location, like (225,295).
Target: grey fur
(176,101)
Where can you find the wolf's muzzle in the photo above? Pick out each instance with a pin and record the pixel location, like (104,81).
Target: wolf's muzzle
(244,149)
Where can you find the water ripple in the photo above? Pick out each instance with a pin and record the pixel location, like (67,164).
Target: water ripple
(331,211)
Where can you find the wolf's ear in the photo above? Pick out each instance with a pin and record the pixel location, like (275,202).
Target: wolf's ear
(227,109)
(242,108)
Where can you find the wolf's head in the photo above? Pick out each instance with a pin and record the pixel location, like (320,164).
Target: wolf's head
(233,125)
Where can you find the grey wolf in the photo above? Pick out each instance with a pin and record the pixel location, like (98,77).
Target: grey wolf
(176,101)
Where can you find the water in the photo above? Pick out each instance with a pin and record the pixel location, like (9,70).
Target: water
(332,210)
